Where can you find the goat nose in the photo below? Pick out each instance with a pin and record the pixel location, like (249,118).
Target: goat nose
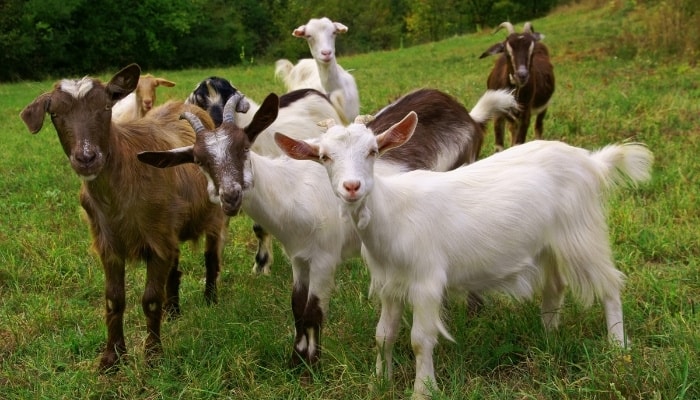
(326,53)
(86,157)
(351,186)
(230,202)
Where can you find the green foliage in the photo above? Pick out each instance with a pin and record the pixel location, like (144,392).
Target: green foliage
(41,38)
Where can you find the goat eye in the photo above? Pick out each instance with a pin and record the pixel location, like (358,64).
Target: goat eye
(373,153)
(324,158)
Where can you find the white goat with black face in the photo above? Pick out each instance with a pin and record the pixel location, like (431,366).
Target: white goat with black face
(323,71)
(544,199)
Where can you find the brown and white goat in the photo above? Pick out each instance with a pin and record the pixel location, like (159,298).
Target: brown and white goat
(135,212)
(140,101)
(525,68)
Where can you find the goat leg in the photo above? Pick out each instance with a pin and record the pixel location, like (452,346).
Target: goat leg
(263,257)
(172,291)
(153,300)
(115,302)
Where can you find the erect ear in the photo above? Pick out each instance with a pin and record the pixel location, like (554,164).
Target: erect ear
(164,82)
(495,49)
(33,114)
(264,117)
(124,82)
(168,158)
(397,134)
(340,28)
(300,31)
(297,149)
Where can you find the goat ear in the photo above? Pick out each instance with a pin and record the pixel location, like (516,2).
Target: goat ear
(296,149)
(300,31)
(398,133)
(495,49)
(33,114)
(165,82)
(340,28)
(124,82)
(169,158)
(264,117)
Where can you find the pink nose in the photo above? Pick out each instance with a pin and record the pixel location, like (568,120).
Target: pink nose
(351,186)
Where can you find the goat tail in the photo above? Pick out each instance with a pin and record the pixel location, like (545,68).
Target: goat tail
(282,69)
(492,104)
(626,163)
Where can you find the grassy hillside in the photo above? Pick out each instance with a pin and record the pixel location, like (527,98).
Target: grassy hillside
(51,286)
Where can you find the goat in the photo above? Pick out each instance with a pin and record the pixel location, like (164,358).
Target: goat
(323,71)
(300,110)
(140,101)
(524,67)
(292,200)
(134,212)
(550,213)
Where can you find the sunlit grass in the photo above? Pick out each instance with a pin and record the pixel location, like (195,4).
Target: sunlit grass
(51,286)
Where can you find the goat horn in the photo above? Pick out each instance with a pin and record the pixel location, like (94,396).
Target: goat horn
(527,28)
(232,105)
(364,119)
(508,26)
(194,121)
(326,123)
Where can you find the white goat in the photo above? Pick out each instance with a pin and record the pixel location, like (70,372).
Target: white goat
(140,101)
(543,199)
(294,202)
(322,73)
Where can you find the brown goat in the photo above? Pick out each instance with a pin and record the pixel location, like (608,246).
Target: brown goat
(135,212)
(140,101)
(526,69)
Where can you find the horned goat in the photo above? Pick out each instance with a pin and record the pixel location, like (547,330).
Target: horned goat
(293,201)
(524,67)
(300,110)
(544,199)
(135,212)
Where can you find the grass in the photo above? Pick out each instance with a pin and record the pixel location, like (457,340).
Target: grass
(51,286)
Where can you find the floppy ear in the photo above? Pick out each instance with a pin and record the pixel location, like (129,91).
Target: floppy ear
(495,49)
(168,158)
(397,134)
(33,114)
(297,149)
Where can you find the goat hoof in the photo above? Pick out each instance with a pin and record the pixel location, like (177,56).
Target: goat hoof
(475,303)
(109,363)
(172,311)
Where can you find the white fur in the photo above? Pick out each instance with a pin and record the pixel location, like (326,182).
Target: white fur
(76,88)
(527,219)
(323,71)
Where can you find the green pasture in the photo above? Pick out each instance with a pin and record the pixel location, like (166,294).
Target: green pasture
(51,286)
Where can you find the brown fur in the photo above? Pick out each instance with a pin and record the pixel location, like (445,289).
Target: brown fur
(135,212)
(533,94)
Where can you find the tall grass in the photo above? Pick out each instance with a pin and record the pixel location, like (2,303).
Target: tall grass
(51,286)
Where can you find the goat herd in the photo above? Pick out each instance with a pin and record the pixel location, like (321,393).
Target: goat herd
(273,161)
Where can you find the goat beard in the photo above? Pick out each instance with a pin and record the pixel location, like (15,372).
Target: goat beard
(360,214)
